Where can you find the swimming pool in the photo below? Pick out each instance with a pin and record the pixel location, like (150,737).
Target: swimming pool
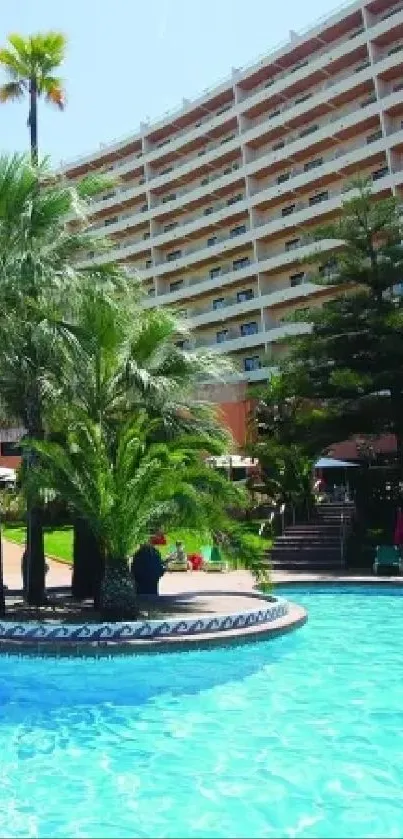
(301,736)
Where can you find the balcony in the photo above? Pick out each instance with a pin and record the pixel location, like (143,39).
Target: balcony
(318,59)
(307,98)
(235,340)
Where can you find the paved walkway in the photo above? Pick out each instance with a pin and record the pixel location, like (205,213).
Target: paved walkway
(172,583)
(179,582)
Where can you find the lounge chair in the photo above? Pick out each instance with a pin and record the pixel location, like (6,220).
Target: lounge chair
(388,556)
(175,564)
(209,561)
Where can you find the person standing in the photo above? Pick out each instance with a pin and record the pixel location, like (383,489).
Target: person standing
(147,568)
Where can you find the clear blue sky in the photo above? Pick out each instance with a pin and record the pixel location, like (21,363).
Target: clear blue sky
(128,60)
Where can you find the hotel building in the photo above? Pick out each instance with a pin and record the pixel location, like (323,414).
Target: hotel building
(215,202)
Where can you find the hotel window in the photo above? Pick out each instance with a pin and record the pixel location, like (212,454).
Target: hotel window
(309,130)
(246,294)
(144,208)
(286,211)
(170,226)
(380,173)
(312,164)
(249,328)
(370,101)
(149,263)
(204,181)
(362,66)
(9,449)
(222,336)
(151,292)
(273,114)
(328,268)
(170,197)
(215,272)
(302,99)
(211,241)
(176,285)
(297,279)
(240,263)
(251,363)
(292,244)
(238,231)
(277,146)
(219,303)
(299,66)
(208,211)
(146,235)
(372,138)
(397,48)
(284,177)
(320,196)
(112,220)
(173,255)
(167,170)
(234,199)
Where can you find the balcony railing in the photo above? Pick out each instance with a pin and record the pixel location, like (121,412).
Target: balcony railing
(313,58)
(325,86)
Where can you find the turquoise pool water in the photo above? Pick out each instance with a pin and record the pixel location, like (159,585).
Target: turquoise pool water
(297,737)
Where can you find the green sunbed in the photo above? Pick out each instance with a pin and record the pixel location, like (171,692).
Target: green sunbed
(388,556)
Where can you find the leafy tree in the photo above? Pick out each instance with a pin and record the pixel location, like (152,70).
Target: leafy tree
(30,65)
(38,283)
(287,436)
(352,362)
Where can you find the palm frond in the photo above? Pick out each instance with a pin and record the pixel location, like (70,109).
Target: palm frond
(12,91)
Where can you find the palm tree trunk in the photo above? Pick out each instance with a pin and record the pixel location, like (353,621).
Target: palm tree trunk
(34,585)
(87,562)
(33,120)
(2,592)
(34,582)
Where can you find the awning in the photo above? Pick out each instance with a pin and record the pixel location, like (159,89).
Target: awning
(234,461)
(331,463)
(7,474)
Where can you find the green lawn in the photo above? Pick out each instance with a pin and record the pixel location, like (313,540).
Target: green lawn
(59,541)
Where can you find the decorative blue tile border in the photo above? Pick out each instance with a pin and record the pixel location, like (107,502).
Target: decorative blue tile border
(142,630)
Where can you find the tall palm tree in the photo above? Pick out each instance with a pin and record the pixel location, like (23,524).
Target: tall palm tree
(37,285)
(30,64)
(124,361)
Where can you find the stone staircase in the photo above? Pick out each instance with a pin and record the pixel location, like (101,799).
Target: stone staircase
(318,545)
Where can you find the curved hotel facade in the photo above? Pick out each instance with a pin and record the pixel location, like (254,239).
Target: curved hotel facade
(215,202)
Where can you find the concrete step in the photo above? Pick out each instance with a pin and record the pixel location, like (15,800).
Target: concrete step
(306,546)
(333,533)
(293,565)
(314,554)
